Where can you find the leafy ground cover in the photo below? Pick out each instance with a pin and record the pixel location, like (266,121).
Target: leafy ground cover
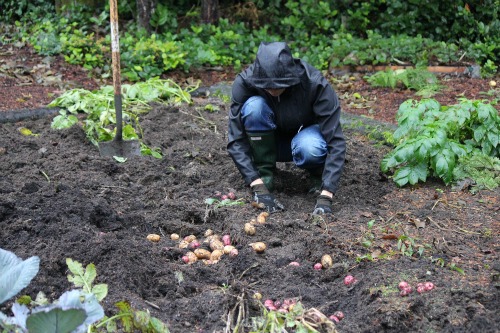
(60,199)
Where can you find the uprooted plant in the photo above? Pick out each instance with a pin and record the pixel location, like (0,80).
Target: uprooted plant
(446,142)
(297,319)
(420,79)
(100,117)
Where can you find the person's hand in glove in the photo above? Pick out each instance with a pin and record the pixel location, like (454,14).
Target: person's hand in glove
(323,205)
(264,199)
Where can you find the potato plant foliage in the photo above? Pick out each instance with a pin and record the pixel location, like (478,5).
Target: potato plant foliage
(99,113)
(434,140)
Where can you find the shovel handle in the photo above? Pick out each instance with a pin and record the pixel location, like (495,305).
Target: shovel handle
(115,58)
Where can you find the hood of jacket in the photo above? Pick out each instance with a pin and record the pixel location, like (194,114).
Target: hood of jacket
(274,67)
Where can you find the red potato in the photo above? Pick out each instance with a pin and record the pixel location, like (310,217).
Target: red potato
(318,266)
(231,195)
(294,263)
(224,197)
(428,286)
(194,245)
(339,314)
(226,239)
(349,280)
(269,304)
(421,289)
(334,318)
(404,292)
(402,285)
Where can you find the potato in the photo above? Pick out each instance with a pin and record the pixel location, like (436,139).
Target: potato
(190,257)
(153,237)
(210,238)
(183,244)
(216,255)
(174,237)
(216,244)
(258,247)
(261,218)
(228,248)
(233,253)
(202,254)
(190,238)
(208,232)
(249,229)
(326,261)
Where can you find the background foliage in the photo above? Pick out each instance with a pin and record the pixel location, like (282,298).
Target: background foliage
(327,34)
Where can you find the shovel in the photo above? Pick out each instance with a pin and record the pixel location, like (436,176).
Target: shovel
(118,146)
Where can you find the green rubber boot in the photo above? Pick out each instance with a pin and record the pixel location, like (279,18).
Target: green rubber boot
(264,155)
(316,180)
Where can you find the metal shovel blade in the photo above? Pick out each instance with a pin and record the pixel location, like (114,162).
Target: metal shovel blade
(118,146)
(122,148)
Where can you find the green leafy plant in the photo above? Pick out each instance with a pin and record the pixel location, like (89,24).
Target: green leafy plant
(127,318)
(15,273)
(408,247)
(368,236)
(424,82)
(73,312)
(431,139)
(98,106)
(84,278)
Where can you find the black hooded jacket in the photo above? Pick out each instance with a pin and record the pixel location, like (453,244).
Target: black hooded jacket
(308,99)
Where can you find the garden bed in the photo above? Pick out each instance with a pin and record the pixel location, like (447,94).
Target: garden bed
(60,199)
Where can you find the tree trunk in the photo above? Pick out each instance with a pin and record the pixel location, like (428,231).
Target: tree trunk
(210,11)
(145,9)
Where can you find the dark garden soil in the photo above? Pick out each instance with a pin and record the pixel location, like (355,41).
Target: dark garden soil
(60,199)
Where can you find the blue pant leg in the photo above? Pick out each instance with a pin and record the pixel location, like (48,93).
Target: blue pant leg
(309,148)
(257,116)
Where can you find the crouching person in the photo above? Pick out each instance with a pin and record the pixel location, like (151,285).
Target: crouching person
(283,110)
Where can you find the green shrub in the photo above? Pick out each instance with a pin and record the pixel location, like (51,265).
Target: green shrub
(433,140)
